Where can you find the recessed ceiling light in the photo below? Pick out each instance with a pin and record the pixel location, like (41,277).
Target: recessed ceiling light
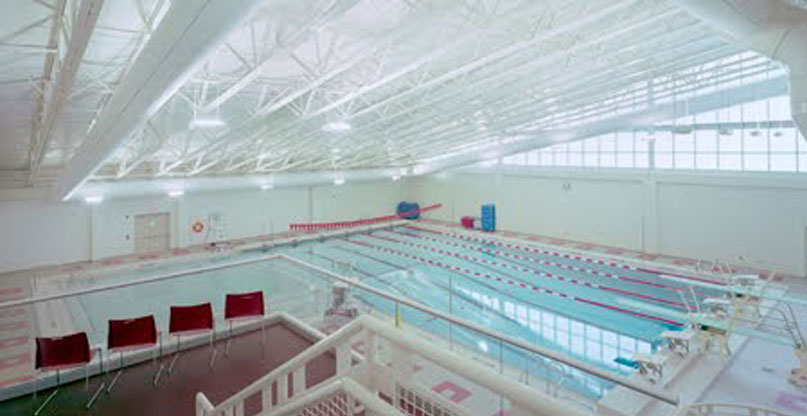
(207,122)
(267,186)
(176,193)
(339,181)
(337,126)
(396,177)
(94,199)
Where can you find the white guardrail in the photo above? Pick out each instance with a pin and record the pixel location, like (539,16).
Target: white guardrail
(728,409)
(362,380)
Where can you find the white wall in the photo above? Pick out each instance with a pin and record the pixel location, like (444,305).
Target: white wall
(33,233)
(36,233)
(761,218)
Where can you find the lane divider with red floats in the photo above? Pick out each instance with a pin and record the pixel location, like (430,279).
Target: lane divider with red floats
(564,255)
(539,273)
(314,226)
(471,274)
(544,262)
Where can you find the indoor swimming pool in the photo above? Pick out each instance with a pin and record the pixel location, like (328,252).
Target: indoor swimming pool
(555,300)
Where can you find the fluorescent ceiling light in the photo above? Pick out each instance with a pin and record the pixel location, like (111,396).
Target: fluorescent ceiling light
(176,193)
(207,122)
(94,199)
(267,186)
(396,177)
(337,126)
(339,181)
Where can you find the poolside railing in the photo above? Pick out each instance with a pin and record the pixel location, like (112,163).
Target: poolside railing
(497,344)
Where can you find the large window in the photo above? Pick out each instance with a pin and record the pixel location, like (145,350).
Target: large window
(757,136)
(753,137)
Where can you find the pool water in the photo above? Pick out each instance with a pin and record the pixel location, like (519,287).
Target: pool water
(563,303)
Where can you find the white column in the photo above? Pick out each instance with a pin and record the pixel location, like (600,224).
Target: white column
(179,223)
(651,229)
(94,231)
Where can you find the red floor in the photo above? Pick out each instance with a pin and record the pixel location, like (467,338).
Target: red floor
(175,395)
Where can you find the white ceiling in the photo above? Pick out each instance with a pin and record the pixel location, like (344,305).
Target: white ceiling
(416,81)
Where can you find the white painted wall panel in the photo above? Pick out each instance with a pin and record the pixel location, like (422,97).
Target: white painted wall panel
(46,233)
(740,218)
(34,233)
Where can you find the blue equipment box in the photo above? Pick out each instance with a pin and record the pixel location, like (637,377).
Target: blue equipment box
(489,217)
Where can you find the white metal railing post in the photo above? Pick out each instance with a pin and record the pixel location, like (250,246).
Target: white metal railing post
(282,389)
(402,363)
(266,398)
(203,406)
(369,350)
(343,359)
(298,381)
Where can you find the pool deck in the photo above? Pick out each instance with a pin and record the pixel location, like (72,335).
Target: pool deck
(737,381)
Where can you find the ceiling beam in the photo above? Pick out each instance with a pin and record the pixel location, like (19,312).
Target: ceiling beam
(51,104)
(187,34)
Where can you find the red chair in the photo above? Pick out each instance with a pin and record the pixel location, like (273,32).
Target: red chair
(126,335)
(64,353)
(191,320)
(239,307)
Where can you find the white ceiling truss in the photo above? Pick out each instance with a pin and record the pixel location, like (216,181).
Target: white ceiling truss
(410,81)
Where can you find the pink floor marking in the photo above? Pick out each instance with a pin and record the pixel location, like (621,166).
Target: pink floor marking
(13,342)
(11,326)
(15,360)
(455,394)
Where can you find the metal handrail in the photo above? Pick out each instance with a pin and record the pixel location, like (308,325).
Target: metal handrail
(353,389)
(516,393)
(535,349)
(716,409)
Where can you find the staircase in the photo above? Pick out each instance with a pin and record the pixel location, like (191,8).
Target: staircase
(379,369)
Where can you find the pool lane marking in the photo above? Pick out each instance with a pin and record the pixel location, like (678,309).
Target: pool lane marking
(502,295)
(545,262)
(511,282)
(568,256)
(550,263)
(534,271)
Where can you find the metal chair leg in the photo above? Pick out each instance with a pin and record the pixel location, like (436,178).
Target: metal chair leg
(118,374)
(229,338)
(176,355)
(45,403)
(95,395)
(102,377)
(50,396)
(213,349)
(162,365)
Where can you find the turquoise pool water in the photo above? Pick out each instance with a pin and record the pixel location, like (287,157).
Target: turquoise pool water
(566,304)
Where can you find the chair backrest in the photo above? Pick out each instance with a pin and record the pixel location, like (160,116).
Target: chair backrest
(238,305)
(61,351)
(132,332)
(191,318)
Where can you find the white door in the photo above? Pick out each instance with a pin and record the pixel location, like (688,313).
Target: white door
(152,233)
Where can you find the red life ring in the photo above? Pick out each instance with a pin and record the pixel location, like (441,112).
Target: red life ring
(197,227)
